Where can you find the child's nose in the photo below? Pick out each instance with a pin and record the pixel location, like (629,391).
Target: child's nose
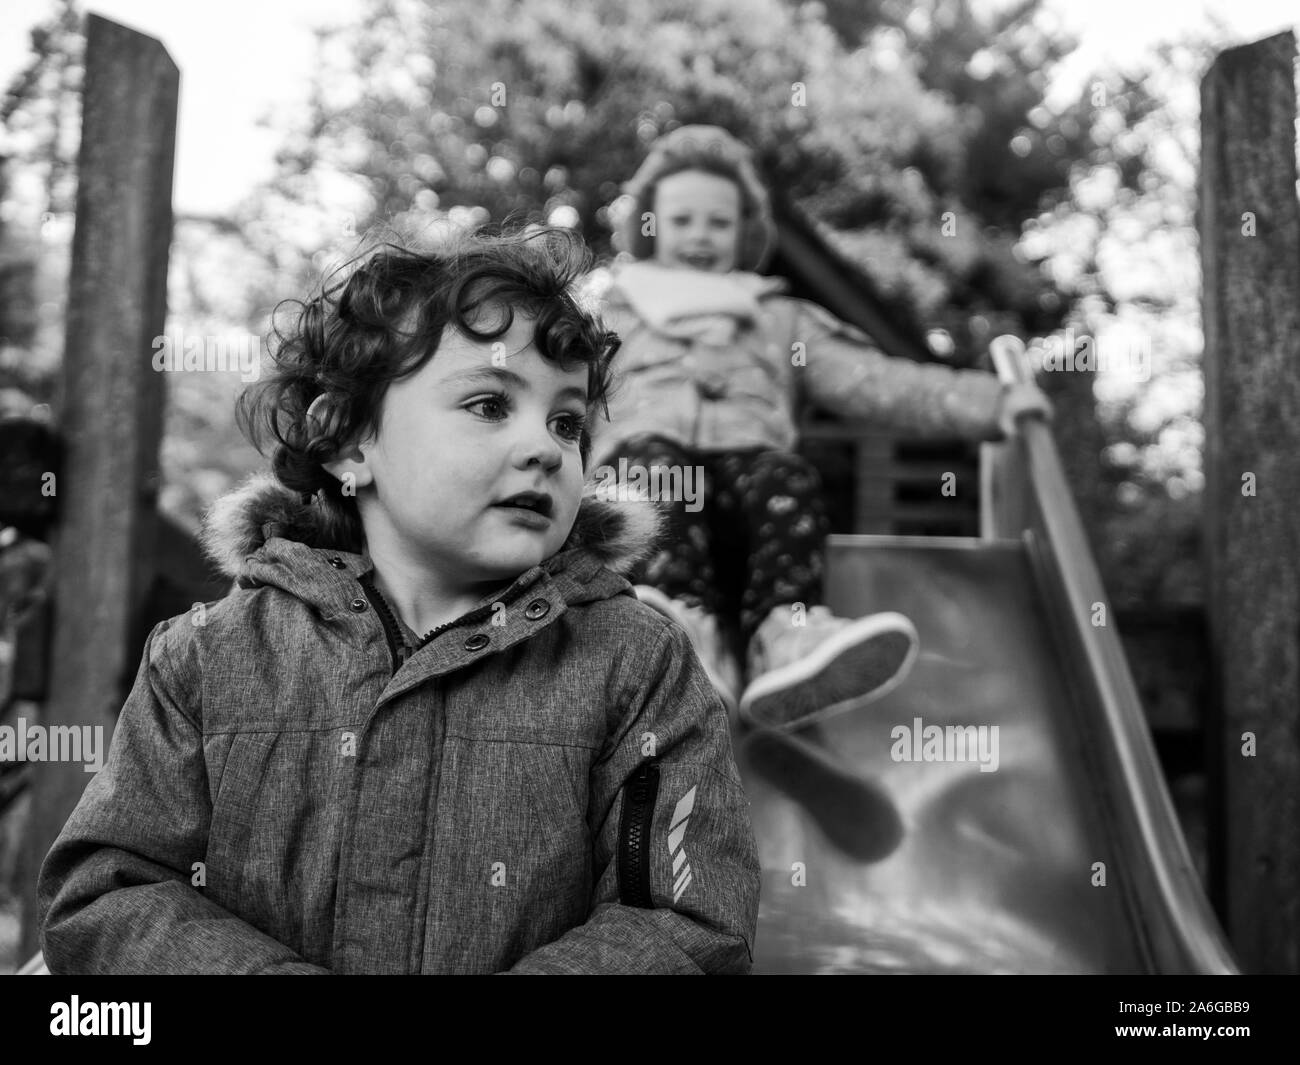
(538,445)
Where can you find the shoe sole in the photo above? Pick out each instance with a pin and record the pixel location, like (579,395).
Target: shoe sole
(657,600)
(855,667)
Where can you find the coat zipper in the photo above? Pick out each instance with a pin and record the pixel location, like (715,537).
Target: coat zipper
(634,837)
(397,646)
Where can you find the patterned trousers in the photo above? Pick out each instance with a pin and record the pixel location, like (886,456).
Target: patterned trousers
(754,544)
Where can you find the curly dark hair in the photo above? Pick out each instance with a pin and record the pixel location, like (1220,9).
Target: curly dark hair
(379,318)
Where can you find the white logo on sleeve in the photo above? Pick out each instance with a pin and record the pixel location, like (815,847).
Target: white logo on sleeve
(676,833)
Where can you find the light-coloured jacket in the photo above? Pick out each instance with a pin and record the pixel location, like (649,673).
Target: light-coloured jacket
(548,789)
(750,389)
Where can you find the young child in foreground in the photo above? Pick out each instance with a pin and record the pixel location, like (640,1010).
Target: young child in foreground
(432,730)
(715,367)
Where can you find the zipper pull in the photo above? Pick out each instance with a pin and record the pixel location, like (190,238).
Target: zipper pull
(647,775)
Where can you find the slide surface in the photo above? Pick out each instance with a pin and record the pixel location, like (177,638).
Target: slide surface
(878,857)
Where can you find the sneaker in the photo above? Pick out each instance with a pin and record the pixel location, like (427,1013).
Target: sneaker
(806,673)
(707,639)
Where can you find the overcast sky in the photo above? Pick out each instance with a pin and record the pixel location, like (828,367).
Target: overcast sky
(241,58)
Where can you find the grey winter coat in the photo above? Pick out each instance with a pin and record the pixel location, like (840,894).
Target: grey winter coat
(544,789)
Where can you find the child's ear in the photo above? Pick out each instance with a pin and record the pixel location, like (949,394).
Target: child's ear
(350,466)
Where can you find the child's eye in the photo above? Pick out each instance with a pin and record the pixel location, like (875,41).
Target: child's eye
(570,426)
(494,406)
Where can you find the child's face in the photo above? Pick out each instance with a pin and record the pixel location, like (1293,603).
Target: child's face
(697,221)
(479,423)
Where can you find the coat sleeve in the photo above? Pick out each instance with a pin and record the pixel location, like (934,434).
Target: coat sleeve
(115,893)
(848,375)
(702,860)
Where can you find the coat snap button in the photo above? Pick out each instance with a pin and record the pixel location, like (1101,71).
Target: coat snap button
(338,563)
(476,642)
(358,605)
(538,608)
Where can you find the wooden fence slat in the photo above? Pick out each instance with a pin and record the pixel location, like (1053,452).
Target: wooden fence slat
(1250,251)
(112,401)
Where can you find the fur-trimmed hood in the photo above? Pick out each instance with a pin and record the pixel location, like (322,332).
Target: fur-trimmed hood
(239,524)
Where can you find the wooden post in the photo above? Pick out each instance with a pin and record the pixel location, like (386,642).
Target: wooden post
(112,402)
(1250,252)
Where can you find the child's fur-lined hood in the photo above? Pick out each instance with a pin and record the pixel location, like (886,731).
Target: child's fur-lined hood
(619,534)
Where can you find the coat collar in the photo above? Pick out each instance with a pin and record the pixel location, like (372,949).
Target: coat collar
(239,524)
(263,533)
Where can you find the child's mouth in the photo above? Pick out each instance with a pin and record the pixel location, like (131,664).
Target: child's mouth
(699,261)
(530,508)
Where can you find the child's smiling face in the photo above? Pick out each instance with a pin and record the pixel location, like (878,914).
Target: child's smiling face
(697,221)
(477,425)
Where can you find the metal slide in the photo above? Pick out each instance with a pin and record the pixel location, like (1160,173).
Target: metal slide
(1064,854)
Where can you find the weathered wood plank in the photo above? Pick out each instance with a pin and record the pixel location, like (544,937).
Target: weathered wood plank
(112,400)
(1250,250)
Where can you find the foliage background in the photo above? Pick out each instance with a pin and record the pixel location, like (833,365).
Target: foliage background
(1077,213)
